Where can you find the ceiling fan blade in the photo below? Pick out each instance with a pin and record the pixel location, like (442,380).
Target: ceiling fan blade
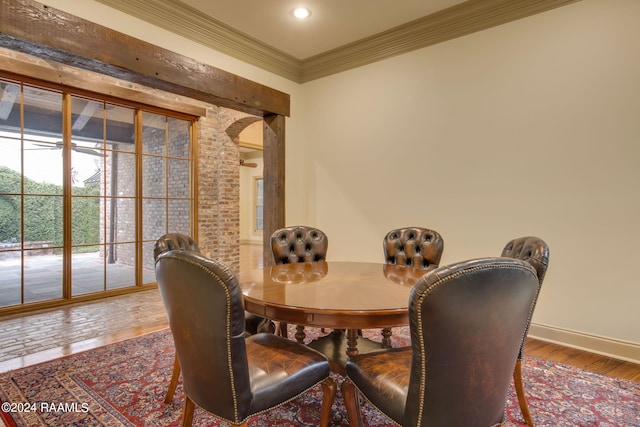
(48,146)
(86,151)
(250,165)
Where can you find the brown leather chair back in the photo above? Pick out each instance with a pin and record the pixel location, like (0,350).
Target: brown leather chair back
(206,316)
(415,246)
(299,244)
(173,241)
(467,321)
(531,249)
(535,251)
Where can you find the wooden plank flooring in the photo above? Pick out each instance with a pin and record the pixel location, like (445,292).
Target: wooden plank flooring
(584,360)
(27,339)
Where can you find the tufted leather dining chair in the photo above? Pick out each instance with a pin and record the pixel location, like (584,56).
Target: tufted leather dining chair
(418,247)
(415,246)
(297,244)
(224,372)
(253,323)
(466,322)
(535,251)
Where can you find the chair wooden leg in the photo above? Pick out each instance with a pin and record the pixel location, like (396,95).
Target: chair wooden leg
(522,400)
(187,412)
(329,389)
(350,397)
(174,381)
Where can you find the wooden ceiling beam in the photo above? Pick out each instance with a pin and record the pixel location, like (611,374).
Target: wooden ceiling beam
(30,27)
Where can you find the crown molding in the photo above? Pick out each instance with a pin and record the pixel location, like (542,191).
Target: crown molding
(460,20)
(186,21)
(463,19)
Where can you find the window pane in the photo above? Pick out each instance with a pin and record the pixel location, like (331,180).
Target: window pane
(120,128)
(9,105)
(87,122)
(121,220)
(10,218)
(148,263)
(42,276)
(86,169)
(43,113)
(10,163)
(87,272)
(259,198)
(11,277)
(154,135)
(180,216)
(153,176)
(85,221)
(259,219)
(10,144)
(154,220)
(42,168)
(260,191)
(120,174)
(121,273)
(43,141)
(179,178)
(179,138)
(43,219)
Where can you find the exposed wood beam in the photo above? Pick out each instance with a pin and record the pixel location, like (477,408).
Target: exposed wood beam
(30,27)
(273,136)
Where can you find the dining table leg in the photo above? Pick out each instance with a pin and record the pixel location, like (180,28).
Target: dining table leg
(386,337)
(352,342)
(300,334)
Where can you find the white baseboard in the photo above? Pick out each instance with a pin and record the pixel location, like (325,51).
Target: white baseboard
(617,349)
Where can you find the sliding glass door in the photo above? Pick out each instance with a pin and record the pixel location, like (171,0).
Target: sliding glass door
(86,187)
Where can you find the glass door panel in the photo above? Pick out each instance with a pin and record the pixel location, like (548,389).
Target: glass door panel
(148,262)
(10,195)
(87,272)
(122,273)
(90,192)
(179,220)
(42,275)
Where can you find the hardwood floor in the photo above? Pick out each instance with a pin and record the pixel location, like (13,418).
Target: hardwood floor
(27,339)
(584,360)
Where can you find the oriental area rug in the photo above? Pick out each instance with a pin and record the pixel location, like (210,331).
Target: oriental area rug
(124,384)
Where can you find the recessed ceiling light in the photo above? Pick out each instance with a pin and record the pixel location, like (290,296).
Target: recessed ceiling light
(301,13)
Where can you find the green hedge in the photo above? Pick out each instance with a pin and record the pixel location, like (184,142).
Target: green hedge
(43,214)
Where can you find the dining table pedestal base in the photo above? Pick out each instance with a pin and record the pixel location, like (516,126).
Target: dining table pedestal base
(339,345)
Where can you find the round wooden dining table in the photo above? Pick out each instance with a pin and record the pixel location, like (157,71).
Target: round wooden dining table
(344,296)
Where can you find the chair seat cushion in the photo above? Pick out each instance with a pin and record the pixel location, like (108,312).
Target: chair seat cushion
(383,377)
(281,369)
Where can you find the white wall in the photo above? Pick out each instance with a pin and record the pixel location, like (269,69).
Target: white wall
(530,128)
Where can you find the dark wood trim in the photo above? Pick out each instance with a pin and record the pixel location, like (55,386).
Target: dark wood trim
(274,173)
(30,27)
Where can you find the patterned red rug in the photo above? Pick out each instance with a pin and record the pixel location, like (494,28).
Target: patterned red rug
(124,384)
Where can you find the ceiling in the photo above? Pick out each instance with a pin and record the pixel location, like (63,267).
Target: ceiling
(339,35)
(333,23)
